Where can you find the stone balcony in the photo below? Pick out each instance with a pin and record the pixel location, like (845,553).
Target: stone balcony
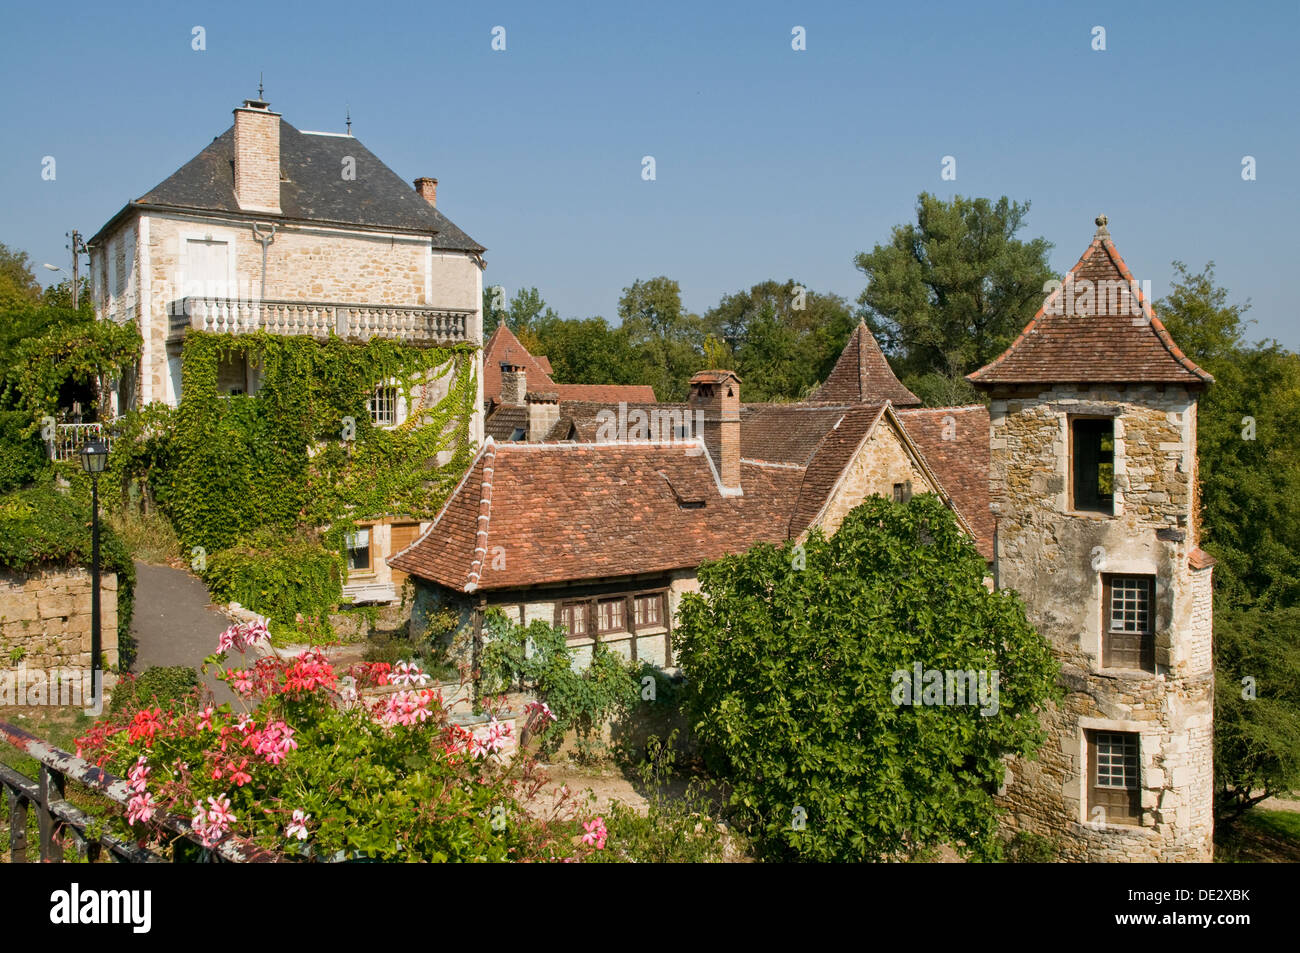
(410,324)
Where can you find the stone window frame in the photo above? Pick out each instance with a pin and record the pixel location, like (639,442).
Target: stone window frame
(1148,743)
(1092,638)
(1064,467)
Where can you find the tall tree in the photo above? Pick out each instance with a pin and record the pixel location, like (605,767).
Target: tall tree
(781,338)
(668,341)
(18,285)
(587,351)
(954,289)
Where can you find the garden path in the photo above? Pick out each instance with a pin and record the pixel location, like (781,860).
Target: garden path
(175,623)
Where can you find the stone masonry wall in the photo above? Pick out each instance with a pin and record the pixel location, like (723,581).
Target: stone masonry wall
(1056,559)
(45,619)
(881,462)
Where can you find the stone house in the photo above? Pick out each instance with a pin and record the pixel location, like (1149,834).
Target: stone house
(1093,490)
(604,535)
(1077,483)
(272,228)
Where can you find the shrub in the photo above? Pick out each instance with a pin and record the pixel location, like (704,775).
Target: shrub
(22,454)
(174,687)
(278,578)
(536,659)
(797,660)
(1026,847)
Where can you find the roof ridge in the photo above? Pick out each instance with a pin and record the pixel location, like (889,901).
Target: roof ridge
(484,515)
(808,466)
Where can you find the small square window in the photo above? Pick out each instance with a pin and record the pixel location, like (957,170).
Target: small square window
(902,492)
(573,616)
(1128,622)
(649,611)
(1114,781)
(613,615)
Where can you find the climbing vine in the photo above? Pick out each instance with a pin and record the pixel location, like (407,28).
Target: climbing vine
(302,451)
(83,352)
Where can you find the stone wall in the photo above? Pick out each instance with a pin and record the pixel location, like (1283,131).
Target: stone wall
(1056,559)
(46,617)
(881,462)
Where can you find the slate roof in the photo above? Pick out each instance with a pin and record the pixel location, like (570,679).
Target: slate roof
(863,375)
(955,444)
(502,423)
(312,188)
(1110,336)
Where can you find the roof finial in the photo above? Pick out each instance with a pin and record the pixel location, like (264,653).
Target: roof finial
(349,118)
(259,85)
(1101,227)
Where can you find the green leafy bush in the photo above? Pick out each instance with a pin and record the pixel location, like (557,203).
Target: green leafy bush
(171,688)
(22,455)
(794,658)
(44,528)
(278,578)
(536,658)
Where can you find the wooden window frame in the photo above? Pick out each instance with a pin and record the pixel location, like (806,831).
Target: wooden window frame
(1101,507)
(1124,656)
(592,616)
(369,567)
(1123,805)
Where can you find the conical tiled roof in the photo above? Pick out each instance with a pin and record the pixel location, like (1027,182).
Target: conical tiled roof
(862,375)
(1098,327)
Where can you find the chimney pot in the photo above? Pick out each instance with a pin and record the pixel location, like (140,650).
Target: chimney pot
(428,189)
(514,384)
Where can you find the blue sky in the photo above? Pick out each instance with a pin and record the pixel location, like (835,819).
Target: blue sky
(770,163)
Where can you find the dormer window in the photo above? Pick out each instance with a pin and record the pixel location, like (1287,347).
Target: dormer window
(1092,465)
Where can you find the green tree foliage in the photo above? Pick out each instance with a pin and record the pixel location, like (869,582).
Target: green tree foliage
(1256,714)
(585,351)
(781,339)
(18,285)
(667,340)
(950,292)
(1247,423)
(790,655)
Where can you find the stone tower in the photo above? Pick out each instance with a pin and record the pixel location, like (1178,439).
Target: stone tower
(1093,490)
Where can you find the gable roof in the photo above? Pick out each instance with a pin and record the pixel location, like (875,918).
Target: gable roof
(569,512)
(863,375)
(955,443)
(311,188)
(504,348)
(1098,327)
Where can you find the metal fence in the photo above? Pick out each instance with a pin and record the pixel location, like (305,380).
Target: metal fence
(70,438)
(61,824)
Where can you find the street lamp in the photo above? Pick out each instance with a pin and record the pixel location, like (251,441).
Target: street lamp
(94,457)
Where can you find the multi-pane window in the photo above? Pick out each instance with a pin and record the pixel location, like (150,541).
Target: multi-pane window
(573,616)
(613,615)
(1114,783)
(383,407)
(358,544)
(1092,465)
(649,610)
(1128,622)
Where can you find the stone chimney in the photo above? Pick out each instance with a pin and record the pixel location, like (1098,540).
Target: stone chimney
(543,414)
(428,189)
(514,384)
(257,157)
(715,395)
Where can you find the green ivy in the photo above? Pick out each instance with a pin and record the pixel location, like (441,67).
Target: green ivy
(278,578)
(88,351)
(279,459)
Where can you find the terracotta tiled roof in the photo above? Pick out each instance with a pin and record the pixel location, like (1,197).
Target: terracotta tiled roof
(502,423)
(863,375)
(955,443)
(612,393)
(1110,335)
(564,512)
(787,433)
(504,347)
(1200,559)
(837,447)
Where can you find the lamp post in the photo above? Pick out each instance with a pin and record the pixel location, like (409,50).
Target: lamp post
(94,457)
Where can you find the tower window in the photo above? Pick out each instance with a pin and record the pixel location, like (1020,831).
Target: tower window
(1092,465)
(1114,777)
(1128,622)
